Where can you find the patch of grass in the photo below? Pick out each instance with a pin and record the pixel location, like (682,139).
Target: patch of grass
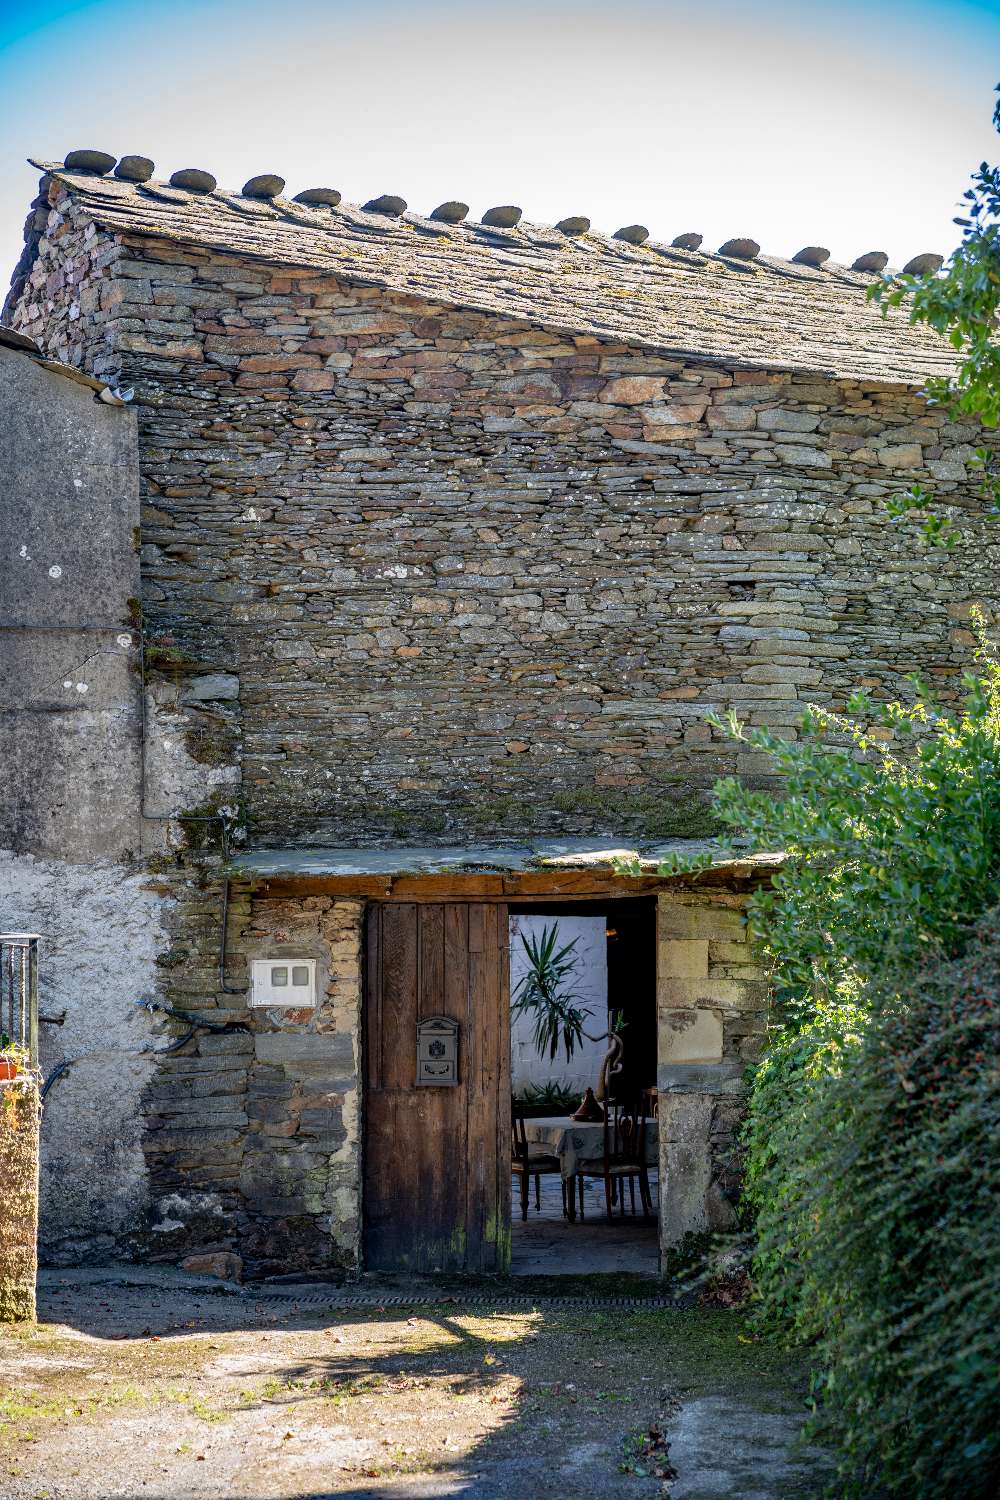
(402,1461)
(32,1406)
(196,1404)
(200,1408)
(337,1392)
(41,1335)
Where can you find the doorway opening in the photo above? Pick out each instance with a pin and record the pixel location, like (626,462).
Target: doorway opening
(583,1212)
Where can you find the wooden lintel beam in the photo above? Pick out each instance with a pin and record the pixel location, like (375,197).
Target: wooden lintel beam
(447,887)
(537,885)
(285,887)
(518,885)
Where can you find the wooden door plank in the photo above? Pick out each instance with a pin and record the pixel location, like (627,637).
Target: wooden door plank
(437,1169)
(473,1025)
(486,1192)
(502,1114)
(430,994)
(437,1158)
(399,961)
(372,998)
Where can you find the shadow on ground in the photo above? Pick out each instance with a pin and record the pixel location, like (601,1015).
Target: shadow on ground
(173,1392)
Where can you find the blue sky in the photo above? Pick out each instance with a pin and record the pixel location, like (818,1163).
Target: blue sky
(851,125)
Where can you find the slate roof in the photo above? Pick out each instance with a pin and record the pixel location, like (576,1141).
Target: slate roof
(760,313)
(552,855)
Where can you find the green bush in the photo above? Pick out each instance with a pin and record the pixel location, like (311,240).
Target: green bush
(874,1123)
(790,1087)
(892,837)
(877,1193)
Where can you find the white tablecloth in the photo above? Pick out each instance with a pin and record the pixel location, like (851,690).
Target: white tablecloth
(579,1144)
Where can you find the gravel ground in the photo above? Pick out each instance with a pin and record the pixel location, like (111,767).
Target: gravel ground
(175,1390)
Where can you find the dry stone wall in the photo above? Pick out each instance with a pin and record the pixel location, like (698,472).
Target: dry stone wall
(252,1136)
(477,578)
(712,997)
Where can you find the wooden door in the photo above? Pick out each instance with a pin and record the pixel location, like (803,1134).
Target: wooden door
(437,1160)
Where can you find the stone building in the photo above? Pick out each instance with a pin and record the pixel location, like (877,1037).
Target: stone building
(450,535)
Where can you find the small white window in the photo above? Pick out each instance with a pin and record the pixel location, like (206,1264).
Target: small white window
(291,984)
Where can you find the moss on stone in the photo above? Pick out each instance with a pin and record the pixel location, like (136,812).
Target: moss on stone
(167,659)
(203,825)
(212,749)
(654,812)
(19,1119)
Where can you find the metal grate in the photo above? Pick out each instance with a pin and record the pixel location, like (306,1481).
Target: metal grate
(19,989)
(501,1301)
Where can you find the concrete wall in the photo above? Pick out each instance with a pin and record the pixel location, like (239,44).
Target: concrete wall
(69,512)
(101,929)
(711,1008)
(70,827)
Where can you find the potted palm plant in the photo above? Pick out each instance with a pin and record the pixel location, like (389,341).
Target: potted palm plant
(548,992)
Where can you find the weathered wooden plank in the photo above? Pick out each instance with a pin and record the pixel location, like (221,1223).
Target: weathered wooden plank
(436,1153)
(477,1025)
(399,964)
(503,1086)
(372,1040)
(582,885)
(370,887)
(430,997)
(445,887)
(437,1170)
(457,1002)
(576,883)
(456,977)
(486,1108)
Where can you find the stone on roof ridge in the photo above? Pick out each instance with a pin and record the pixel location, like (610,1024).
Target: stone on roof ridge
(138,170)
(266,185)
(193,180)
(678,299)
(388,204)
(505,216)
(319,197)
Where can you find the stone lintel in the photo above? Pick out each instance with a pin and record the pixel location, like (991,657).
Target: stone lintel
(699,1078)
(723,994)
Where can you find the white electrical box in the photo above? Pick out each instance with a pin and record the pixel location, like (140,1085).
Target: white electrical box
(284,981)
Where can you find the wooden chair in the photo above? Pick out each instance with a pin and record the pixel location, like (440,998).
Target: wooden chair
(624,1159)
(652,1098)
(523,1166)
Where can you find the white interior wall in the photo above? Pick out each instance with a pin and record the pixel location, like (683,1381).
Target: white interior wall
(591,979)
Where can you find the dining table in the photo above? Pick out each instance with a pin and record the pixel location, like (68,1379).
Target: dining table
(579,1143)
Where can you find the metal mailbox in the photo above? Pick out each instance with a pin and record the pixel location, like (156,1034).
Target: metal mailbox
(437,1052)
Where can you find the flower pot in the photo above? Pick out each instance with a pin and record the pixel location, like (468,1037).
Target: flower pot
(8,1068)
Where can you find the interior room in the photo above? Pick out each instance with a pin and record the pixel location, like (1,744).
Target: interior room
(583,1044)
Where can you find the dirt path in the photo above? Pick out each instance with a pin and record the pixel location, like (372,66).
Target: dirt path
(178,1393)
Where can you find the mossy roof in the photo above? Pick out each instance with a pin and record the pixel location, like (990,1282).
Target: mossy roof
(764,313)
